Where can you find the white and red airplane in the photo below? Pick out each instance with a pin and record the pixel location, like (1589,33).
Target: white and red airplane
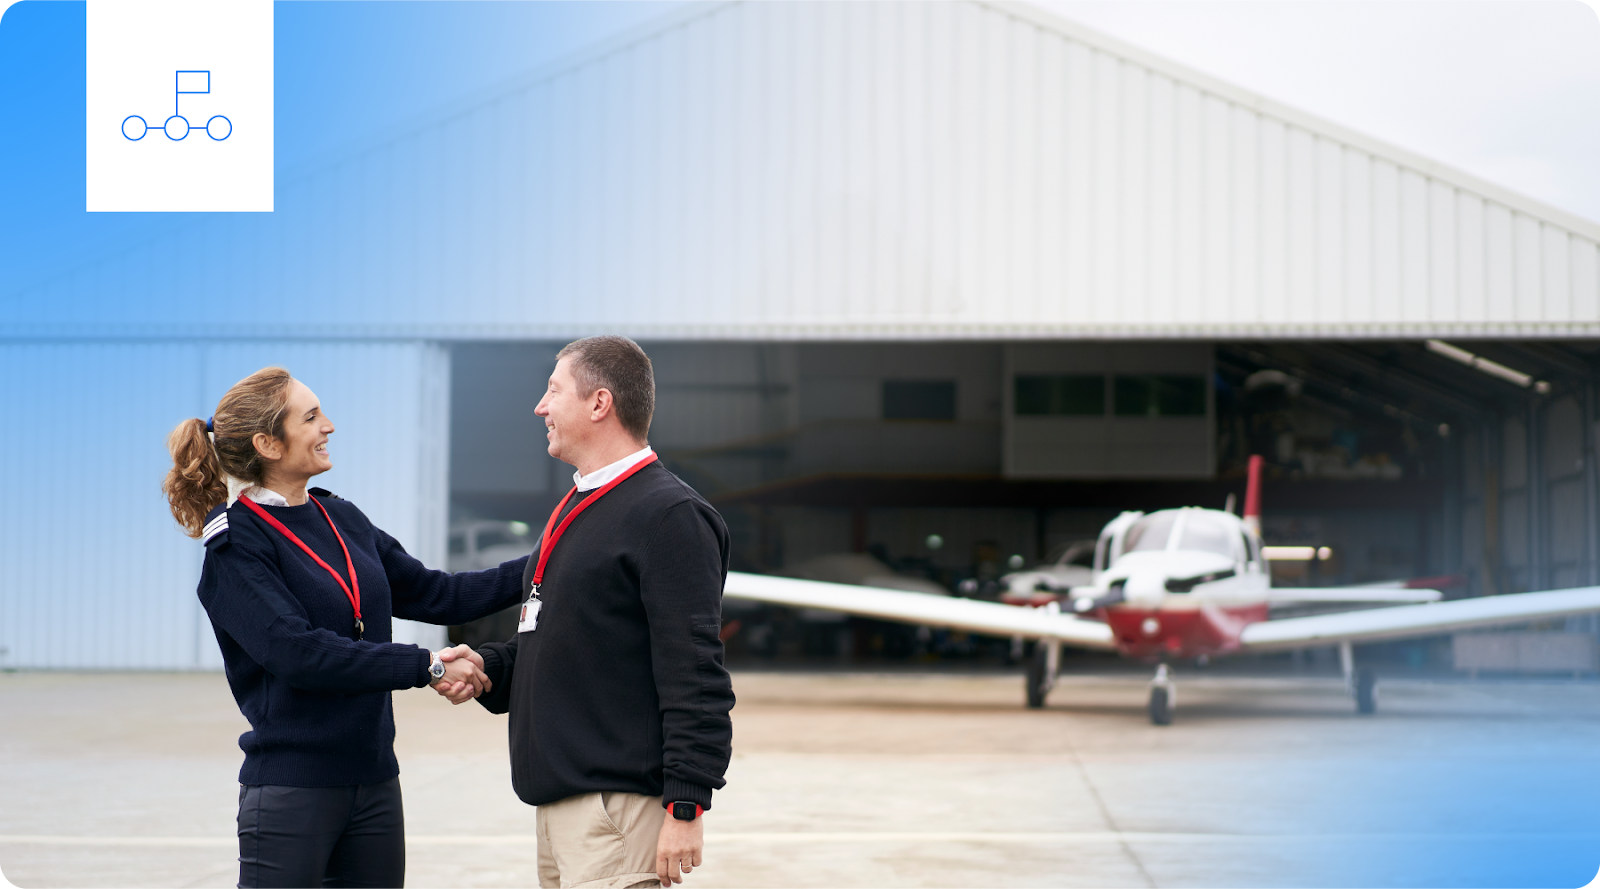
(1181,583)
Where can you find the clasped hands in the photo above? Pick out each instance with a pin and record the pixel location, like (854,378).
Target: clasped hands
(464,678)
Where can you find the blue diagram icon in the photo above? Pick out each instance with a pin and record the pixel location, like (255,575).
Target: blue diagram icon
(176,127)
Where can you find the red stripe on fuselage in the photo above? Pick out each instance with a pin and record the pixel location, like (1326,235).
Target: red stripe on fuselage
(1208,630)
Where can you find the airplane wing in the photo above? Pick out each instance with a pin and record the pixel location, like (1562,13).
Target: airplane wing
(1286,595)
(919,608)
(1406,621)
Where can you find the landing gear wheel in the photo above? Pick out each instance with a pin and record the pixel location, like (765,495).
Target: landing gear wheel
(1038,675)
(1160,706)
(1366,691)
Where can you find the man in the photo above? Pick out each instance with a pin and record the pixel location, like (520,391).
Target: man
(614,681)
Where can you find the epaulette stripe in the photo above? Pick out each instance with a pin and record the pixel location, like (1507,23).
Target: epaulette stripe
(217,526)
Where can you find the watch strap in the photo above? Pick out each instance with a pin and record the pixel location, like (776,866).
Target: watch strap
(682,806)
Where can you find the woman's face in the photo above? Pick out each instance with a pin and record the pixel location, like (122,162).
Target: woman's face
(303,450)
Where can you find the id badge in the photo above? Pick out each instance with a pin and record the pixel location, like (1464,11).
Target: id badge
(529,621)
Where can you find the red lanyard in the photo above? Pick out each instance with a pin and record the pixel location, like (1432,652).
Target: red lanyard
(547,540)
(353,595)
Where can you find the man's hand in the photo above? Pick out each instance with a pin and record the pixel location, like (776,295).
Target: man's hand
(464,678)
(678,850)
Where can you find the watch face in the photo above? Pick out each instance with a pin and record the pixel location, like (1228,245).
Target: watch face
(683,811)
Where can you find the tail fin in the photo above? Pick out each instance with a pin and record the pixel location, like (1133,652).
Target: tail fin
(1252,496)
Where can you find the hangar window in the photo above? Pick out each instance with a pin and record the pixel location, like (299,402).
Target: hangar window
(1167,395)
(1060,396)
(919,399)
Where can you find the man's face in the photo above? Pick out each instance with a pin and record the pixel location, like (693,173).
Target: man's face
(567,413)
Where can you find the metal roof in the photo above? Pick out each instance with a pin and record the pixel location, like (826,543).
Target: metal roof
(932,171)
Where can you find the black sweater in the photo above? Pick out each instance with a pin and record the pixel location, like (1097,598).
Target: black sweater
(317,700)
(621,687)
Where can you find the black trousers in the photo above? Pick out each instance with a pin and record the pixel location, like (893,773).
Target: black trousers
(353,835)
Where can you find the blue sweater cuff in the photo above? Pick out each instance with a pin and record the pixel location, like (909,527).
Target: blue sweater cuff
(417,677)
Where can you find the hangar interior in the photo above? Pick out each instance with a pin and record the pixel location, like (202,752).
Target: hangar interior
(1470,464)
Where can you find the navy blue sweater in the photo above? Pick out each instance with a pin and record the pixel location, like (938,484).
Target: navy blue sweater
(317,699)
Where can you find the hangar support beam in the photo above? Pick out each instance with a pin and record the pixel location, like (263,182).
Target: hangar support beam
(1538,521)
(1335,386)
(1591,484)
(1411,384)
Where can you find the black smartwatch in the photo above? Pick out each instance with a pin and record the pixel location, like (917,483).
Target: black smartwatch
(686,811)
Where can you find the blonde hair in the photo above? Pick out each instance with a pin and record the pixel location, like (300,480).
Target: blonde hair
(202,461)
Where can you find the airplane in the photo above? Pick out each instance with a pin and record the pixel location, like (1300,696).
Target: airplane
(1177,584)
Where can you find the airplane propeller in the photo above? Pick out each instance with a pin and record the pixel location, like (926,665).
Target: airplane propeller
(1085,604)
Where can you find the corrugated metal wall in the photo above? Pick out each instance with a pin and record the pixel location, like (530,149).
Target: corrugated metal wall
(870,170)
(93,571)
(1528,518)
(1562,463)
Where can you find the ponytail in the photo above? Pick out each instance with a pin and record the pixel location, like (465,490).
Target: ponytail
(195,484)
(206,455)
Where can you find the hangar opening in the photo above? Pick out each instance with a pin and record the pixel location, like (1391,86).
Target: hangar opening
(949,467)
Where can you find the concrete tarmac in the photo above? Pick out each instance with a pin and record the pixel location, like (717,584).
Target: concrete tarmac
(848,779)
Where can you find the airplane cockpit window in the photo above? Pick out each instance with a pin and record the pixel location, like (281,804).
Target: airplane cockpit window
(1150,532)
(1205,534)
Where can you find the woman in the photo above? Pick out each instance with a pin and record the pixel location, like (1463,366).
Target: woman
(300,588)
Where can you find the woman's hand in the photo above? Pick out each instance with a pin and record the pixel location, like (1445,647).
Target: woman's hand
(464,678)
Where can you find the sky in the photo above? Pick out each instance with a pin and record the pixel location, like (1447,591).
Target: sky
(1508,90)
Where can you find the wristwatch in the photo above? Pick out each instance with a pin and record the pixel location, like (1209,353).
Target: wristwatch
(436,669)
(686,811)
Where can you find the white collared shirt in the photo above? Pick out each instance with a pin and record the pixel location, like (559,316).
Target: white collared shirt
(238,488)
(263,496)
(266,496)
(600,477)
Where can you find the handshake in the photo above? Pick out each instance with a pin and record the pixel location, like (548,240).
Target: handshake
(463,678)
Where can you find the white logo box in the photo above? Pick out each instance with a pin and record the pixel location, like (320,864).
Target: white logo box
(179,106)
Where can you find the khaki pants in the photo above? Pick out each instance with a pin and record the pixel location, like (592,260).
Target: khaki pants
(603,840)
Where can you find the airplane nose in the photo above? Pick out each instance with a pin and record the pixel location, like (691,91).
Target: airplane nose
(1146,589)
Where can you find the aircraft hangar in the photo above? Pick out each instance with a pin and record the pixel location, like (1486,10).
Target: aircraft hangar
(949,284)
